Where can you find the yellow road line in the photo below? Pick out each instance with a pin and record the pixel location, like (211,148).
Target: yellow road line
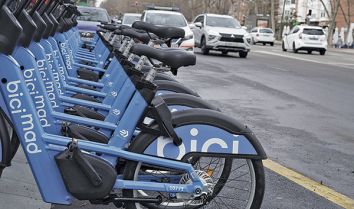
(311,185)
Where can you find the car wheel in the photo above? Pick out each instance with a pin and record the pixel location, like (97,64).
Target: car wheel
(272,44)
(264,44)
(283,46)
(322,52)
(294,49)
(204,49)
(309,52)
(224,52)
(243,54)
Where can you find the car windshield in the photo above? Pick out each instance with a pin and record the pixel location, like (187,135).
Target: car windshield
(130,19)
(265,30)
(225,22)
(93,15)
(174,20)
(312,31)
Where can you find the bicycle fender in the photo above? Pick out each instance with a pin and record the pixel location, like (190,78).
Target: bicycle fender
(204,132)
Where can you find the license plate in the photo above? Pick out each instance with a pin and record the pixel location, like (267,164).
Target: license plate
(229,44)
(314,39)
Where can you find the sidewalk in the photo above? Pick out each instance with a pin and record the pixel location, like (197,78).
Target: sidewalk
(18,189)
(341,50)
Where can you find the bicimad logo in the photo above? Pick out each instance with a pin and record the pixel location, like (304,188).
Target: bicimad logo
(26,119)
(114,93)
(124,133)
(116,112)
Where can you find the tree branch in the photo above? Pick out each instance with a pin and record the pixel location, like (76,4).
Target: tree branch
(326,10)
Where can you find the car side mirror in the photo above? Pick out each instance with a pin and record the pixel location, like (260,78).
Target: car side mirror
(192,26)
(244,27)
(119,21)
(198,24)
(285,34)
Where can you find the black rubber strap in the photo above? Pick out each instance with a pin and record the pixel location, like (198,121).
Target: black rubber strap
(164,118)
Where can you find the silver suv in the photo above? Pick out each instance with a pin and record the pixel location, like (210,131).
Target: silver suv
(222,33)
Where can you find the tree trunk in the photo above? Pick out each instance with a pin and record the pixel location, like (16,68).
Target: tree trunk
(272,15)
(333,23)
(349,16)
(326,10)
(282,22)
(256,7)
(347,21)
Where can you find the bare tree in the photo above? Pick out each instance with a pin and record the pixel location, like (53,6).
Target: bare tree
(333,22)
(272,14)
(347,16)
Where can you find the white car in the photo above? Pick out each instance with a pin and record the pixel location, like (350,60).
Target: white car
(221,33)
(129,18)
(262,35)
(166,16)
(89,19)
(308,38)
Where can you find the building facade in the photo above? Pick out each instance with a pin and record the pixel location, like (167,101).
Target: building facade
(299,10)
(342,15)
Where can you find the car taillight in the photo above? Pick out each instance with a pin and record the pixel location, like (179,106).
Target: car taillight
(300,35)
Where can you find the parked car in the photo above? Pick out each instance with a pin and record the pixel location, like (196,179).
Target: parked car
(129,18)
(308,38)
(222,33)
(89,19)
(262,35)
(168,16)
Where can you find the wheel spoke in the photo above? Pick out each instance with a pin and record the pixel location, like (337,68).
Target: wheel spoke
(232,183)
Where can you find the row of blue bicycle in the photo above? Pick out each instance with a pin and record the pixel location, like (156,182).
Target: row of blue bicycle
(105,121)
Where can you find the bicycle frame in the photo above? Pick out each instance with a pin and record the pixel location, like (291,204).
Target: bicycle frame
(19,89)
(40,147)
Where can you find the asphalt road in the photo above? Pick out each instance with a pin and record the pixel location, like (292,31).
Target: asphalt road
(301,108)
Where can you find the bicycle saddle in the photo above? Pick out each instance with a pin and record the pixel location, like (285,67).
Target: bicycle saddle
(41,26)
(173,58)
(29,29)
(143,37)
(10,36)
(161,31)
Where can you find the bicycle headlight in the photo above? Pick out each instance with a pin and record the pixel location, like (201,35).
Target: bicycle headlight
(86,34)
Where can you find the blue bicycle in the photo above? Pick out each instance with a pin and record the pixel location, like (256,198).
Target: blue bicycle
(192,158)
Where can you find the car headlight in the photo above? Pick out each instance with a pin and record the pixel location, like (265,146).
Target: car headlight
(188,37)
(212,37)
(249,40)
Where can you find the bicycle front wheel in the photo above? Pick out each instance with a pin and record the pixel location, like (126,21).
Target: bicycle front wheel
(235,183)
